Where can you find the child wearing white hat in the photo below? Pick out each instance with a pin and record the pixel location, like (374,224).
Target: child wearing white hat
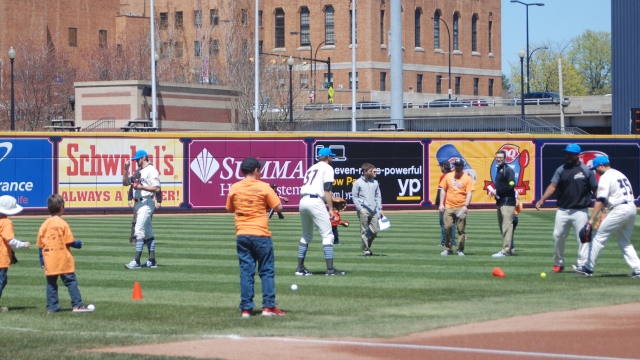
(8,207)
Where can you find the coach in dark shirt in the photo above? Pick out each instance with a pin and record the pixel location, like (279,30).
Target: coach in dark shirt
(575,184)
(505,195)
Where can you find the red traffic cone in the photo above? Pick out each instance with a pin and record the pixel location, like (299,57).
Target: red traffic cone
(498,272)
(137,291)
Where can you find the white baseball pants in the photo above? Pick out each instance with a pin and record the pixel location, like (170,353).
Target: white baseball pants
(313,211)
(144,210)
(564,219)
(620,221)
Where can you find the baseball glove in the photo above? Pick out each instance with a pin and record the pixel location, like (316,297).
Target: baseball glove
(339,203)
(585,233)
(135,177)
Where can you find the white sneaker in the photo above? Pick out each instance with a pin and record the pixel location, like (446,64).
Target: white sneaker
(132,265)
(498,255)
(446,252)
(460,253)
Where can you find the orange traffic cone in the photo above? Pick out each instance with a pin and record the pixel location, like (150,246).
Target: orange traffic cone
(498,272)
(137,291)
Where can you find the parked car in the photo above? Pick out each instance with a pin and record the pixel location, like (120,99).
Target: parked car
(543,98)
(367,105)
(475,102)
(445,103)
(320,106)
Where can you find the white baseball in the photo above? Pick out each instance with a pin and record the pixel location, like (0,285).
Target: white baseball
(294,287)
(91,307)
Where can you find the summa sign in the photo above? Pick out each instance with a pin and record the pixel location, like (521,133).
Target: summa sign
(215,166)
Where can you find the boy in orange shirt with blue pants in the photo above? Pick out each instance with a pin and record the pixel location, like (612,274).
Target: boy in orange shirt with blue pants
(8,207)
(54,240)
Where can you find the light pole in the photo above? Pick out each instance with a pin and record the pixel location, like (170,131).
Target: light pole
(526,53)
(310,59)
(315,74)
(522,54)
(530,55)
(449,35)
(12,56)
(290,62)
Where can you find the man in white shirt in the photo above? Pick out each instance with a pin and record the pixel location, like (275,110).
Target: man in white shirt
(615,193)
(315,209)
(144,190)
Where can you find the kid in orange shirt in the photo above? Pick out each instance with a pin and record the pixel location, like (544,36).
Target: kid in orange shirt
(339,204)
(54,240)
(8,207)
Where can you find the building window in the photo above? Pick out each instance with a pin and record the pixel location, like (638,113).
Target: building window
(260,18)
(476,82)
(490,36)
(382,33)
(327,80)
(457,85)
(438,84)
(304,27)
(383,81)
(417,26)
(197,18)
(73,36)
(304,81)
(102,38)
(260,46)
(213,17)
(419,83)
(490,87)
(197,48)
(474,33)
(351,80)
(178,18)
(455,31)
(214,47)
(178,49)
(164,20)
(351,26)
(436,30)
(329,26)
(245,17)
(279,28)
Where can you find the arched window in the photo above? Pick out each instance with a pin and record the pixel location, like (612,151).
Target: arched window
(436,29)
(329,29)
(304,27)
(279,28)
(455,31)
(474,32)
(417,26)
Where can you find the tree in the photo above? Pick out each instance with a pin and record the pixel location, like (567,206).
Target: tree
(590,54)
(507,87)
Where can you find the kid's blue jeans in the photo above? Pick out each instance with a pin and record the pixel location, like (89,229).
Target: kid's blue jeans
(252,249)
(71,282)
(3,280)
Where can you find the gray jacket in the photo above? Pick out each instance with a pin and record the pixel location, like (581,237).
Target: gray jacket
(366,194)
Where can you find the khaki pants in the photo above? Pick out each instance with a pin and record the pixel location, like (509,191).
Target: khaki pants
(505,222)
(449,219)
(368,228)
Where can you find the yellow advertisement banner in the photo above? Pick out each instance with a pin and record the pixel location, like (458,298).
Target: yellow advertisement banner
(90,170)
(479,158)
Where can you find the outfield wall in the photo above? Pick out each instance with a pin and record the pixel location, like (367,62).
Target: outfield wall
(197,169)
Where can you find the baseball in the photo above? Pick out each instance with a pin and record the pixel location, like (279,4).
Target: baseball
(543,275)
(511,183)
(91,307)
(294,287)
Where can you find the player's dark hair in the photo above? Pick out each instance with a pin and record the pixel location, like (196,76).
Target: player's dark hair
(367,166)
(55,203)
(504,153)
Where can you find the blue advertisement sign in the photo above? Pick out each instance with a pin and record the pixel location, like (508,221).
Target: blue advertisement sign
(26,170)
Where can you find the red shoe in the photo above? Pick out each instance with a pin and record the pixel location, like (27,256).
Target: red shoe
(557,269)
(274,311)
(246,314)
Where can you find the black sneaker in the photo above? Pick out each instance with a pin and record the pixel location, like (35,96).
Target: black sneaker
(150,264)
(334,271)
(303,272)
(336,242)
(582,270)
(636,274)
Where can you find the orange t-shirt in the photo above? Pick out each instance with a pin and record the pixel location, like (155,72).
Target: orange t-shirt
(6,235)
(456,189)
(249,198)
(54,238)
(336,218)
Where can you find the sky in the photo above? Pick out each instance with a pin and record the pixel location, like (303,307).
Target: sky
(557,21)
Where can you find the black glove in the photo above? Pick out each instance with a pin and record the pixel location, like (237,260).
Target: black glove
(585,233)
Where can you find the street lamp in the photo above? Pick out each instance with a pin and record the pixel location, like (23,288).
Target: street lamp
(12,56)
(449,35)
(290,62)
(530,56)
(527,6)
(522,54)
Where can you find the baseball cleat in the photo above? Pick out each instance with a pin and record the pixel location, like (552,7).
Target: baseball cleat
(132,265)
(274,311)
(246,314)
(461,253)
(334,271)
(150,264)
(636,274)
(446,252)
(303,272)
(582,270)
(82,309)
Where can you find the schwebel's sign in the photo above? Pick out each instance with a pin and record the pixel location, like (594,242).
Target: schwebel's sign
(215,165)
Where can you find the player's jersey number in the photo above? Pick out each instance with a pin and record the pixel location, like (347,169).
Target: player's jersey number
(626,188)
(306,176)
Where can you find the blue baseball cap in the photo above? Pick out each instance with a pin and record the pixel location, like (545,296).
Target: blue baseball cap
(599,160)
(573,149)
(139,155)
(326,152)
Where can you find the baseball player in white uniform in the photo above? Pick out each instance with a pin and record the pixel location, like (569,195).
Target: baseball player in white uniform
(614,192)
(143,193)
(315,209)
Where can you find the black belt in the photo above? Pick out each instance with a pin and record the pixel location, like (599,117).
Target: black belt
(143,198)
(622,203)
(311,196)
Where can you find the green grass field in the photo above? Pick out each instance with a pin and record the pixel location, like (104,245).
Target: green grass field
(407,287)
